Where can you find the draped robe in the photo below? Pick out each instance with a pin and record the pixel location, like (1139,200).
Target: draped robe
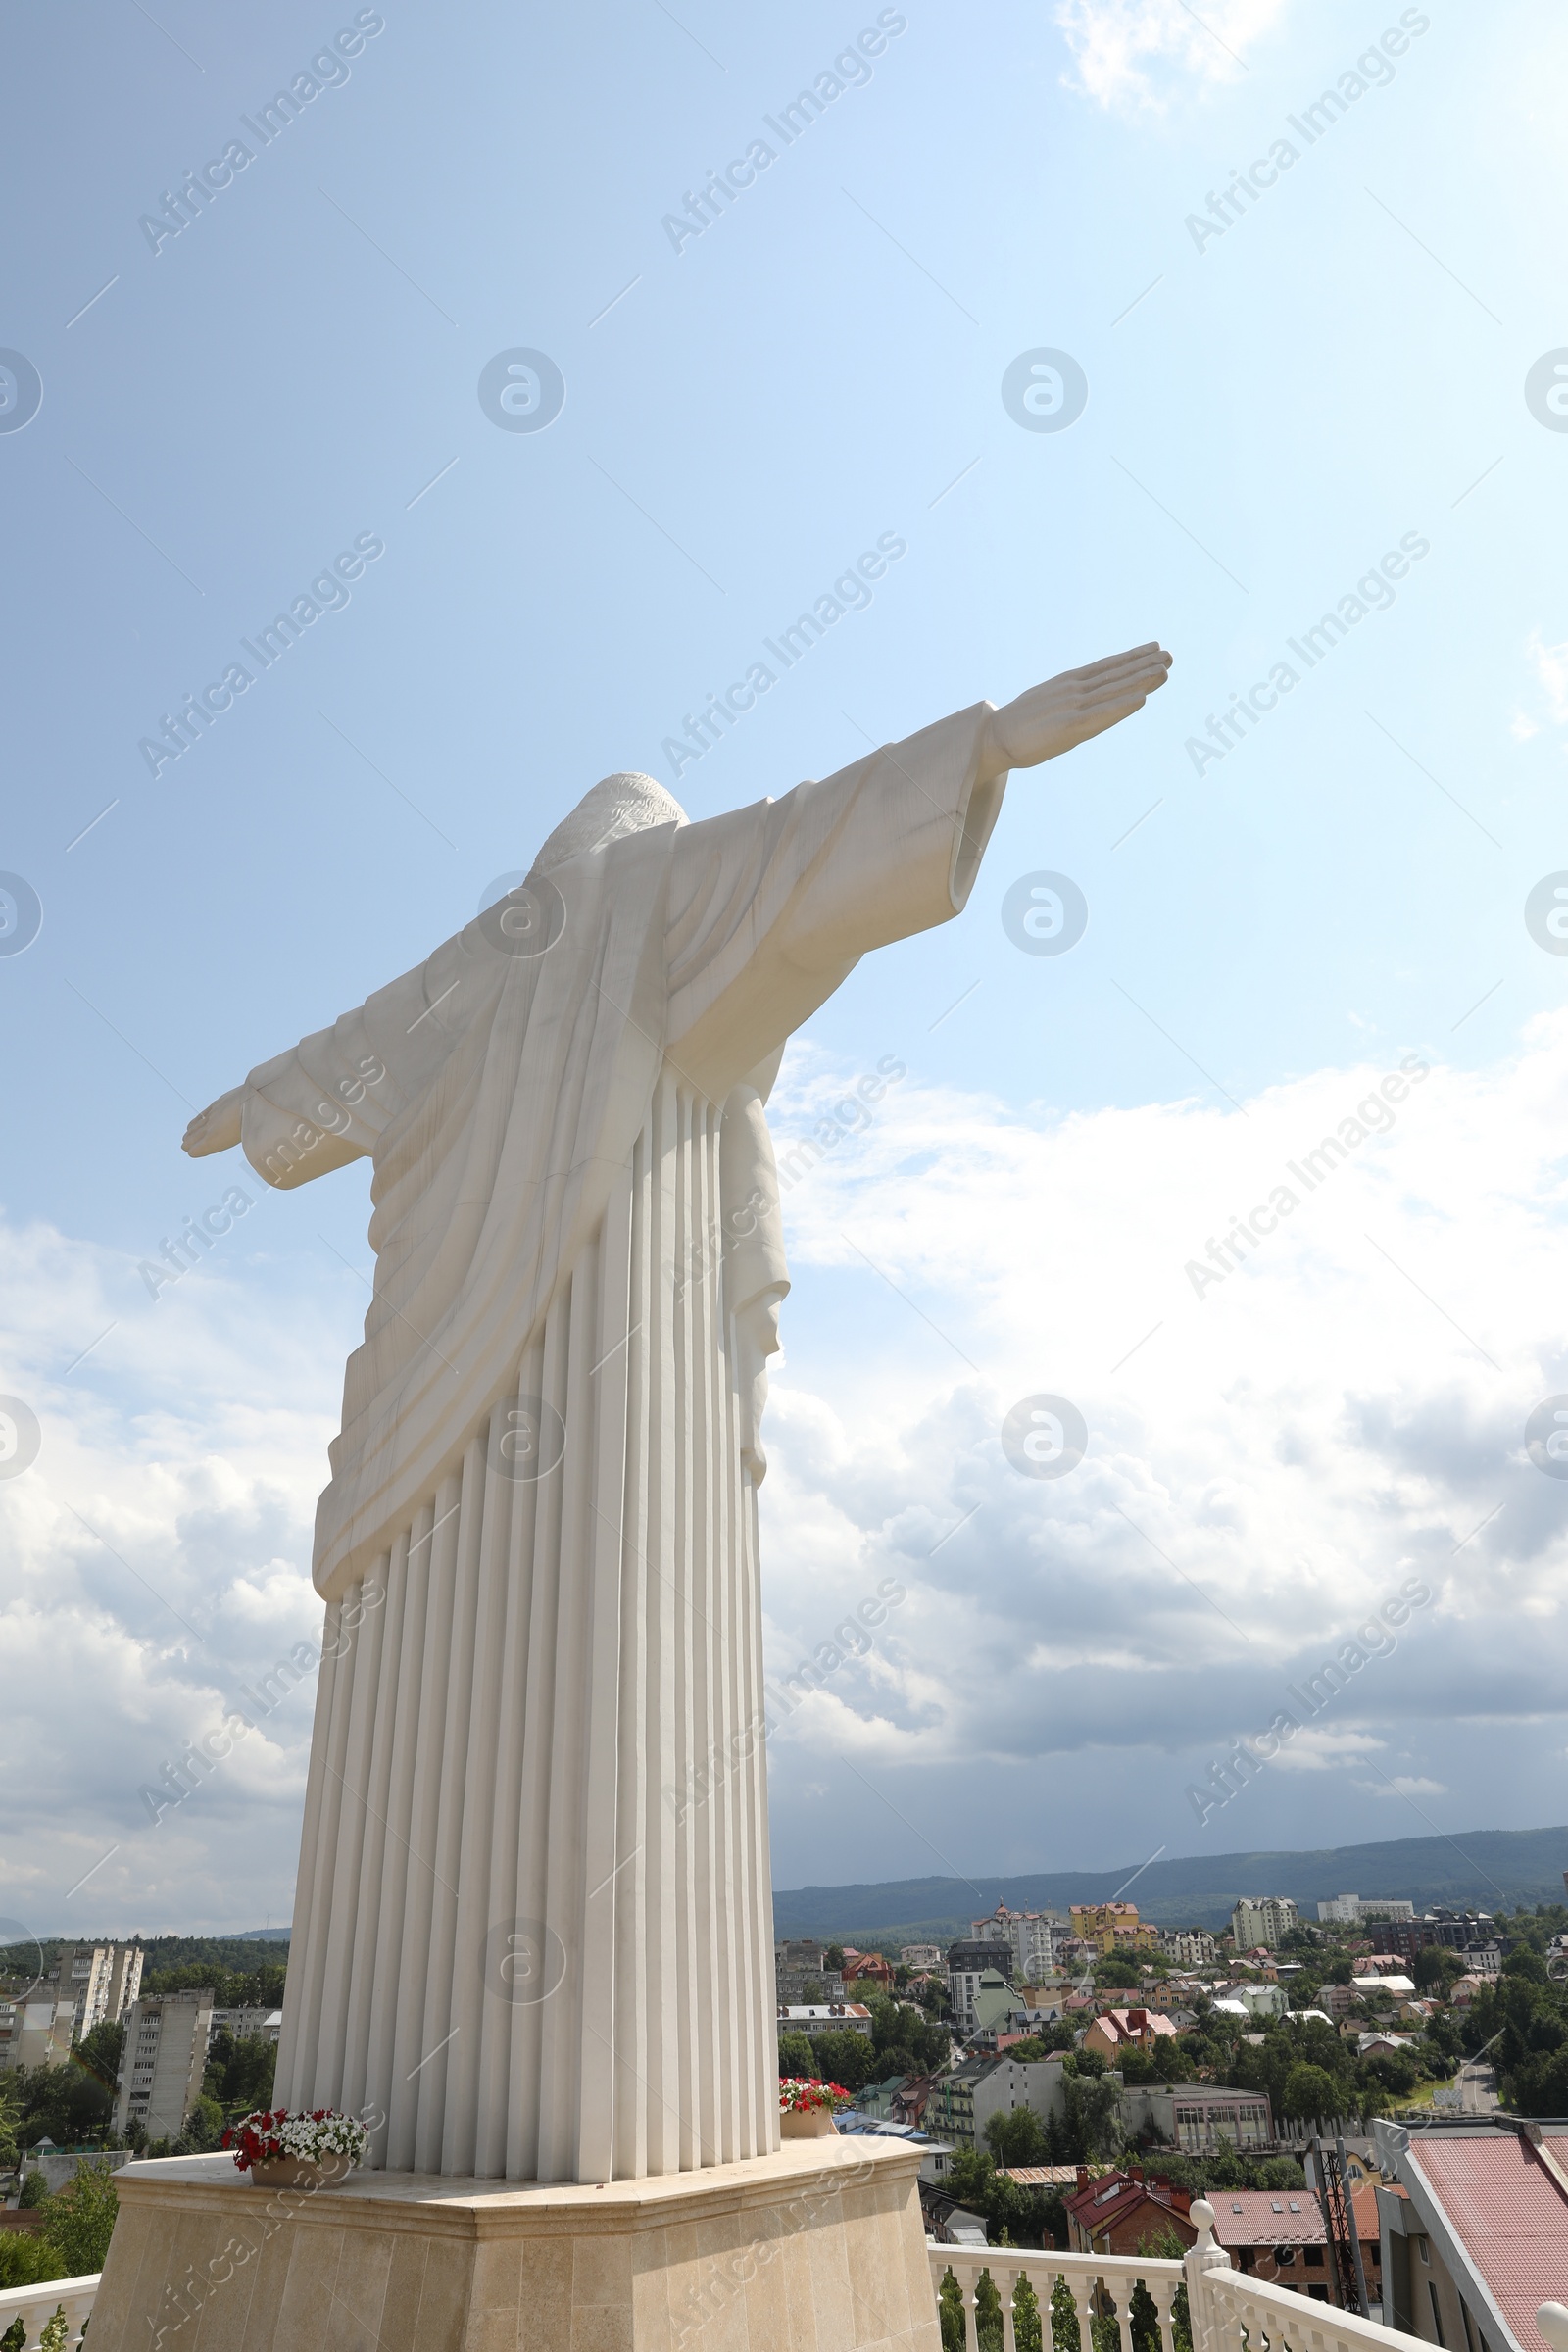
(532,1932)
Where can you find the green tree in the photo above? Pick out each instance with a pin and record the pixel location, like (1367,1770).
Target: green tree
(81,2219)
(34,2194)
(795,2058)
(1308,2092)
(1093,2118)
(848,2058)
(1018,2137)
(240,2071)
(204,2128)
(28,2259)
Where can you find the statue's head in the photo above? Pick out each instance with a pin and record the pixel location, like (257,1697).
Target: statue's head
(618,804)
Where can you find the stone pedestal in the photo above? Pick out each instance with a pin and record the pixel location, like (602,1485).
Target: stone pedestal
(819,2248)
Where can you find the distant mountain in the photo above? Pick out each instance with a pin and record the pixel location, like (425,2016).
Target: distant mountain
(1481,1870)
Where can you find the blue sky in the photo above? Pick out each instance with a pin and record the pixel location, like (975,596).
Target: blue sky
(1271,411)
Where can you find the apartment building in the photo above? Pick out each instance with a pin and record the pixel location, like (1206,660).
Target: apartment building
(163,2061)
(101,1980)
(1031,1936)
(1264,1919)
(36,2032)
(1350,1910)
(1111,1927)
(1190,1947)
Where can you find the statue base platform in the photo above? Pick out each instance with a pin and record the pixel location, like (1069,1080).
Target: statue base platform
(820,2248)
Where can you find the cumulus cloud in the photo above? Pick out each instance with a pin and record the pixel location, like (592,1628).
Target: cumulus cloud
(1294,1414)
(1290,1420)
(1127,53)
(157,1564)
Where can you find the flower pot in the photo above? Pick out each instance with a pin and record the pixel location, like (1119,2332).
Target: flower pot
(302,2172)
(807,2123)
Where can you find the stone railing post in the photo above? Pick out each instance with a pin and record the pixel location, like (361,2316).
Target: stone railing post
(1163,2291)
(1553,2321)
(1200,2260)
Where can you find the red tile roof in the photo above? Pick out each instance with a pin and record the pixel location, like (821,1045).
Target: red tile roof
(1507,2213)
(1262,2217)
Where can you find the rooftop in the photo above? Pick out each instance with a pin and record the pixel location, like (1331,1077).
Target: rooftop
(1505,2210)
(1260,2217)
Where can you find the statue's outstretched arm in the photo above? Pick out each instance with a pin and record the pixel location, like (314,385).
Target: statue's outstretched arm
(1055,717)
(217,1128)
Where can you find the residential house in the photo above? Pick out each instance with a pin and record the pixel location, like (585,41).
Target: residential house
(1280,2237)
(1264,1919)
(1479,2239)
(164,2060)
(920,1956)
(1117,2030)
(1125,2212)
(1251,2000)
(868,1969)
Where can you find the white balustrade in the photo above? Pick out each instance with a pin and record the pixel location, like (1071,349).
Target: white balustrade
(37,2306)
(1228,2311)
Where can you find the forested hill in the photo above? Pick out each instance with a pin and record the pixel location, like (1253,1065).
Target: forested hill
(1485,1870)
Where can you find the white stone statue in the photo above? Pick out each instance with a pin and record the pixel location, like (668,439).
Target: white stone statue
(533,1918)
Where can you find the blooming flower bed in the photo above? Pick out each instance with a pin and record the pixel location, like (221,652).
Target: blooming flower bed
(270,2134)
(798,2096)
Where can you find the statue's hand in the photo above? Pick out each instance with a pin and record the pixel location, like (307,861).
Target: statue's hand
(217,1128)
(1052,719)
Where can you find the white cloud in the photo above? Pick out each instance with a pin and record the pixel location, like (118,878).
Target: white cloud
(1335,1417)
(1339,1417)
(1115,43)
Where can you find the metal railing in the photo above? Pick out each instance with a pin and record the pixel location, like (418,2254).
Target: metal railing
(35,2306)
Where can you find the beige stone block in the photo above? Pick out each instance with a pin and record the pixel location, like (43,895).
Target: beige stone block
(798,2252)
(602,2267)
(400,2314)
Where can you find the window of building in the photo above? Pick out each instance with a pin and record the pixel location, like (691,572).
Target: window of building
(1437,2316)
(1421,2249)
(1314,2258)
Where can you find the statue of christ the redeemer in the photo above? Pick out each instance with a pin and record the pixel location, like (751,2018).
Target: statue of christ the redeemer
(519,1937)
